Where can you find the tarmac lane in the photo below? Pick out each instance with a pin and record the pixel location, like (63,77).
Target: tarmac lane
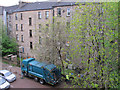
(27,83)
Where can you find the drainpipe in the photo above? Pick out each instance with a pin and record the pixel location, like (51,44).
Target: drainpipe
(53,35)
(5,20)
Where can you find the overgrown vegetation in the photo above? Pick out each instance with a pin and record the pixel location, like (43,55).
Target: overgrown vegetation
(8,45)
(94,36)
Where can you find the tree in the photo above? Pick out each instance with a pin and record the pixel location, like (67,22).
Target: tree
(8,45)
(59,38)
(94,39)
(0,38)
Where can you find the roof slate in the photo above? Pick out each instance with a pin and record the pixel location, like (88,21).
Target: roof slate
(10,9)
(37,6)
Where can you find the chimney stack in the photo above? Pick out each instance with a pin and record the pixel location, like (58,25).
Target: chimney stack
(59,0)
(21,3)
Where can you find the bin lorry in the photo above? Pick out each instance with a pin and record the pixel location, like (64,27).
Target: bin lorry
(41,71)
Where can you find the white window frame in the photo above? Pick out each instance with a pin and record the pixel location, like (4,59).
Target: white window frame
(17,37)
(46,14)
(68,11)
(22,40)
(39,15)
(16,27)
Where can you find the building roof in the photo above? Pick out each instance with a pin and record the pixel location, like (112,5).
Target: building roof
(10,9)
(37,6)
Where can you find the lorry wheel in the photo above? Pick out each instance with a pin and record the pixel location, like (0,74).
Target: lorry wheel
(25,74)
(29,75)
(36,79)
(41,81)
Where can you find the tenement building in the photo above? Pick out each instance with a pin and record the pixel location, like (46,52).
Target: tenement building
(39,27)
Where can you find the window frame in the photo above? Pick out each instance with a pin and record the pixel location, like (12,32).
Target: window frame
(59,13)
(21,16)
(22,40)
(21,27)
(47,27)
(39,15)
(68,11)
(30,33)
(46,14)
(17,37)
(30,21)
(31,45)
(16,27)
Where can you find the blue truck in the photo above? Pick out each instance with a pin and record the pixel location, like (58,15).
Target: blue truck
(41,71)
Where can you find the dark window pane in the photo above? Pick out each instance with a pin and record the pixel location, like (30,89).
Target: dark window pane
(39,15)
(30,33)
(30,21)
(31,45)
(16,27)
(58,11)
(21,16)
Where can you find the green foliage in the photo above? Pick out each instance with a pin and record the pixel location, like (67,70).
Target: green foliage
(94,36)
(8,45)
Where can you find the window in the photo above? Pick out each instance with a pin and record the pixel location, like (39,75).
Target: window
(30,21)
(22,38)
(40,40)
(16,16)
(47,26)
(68,12)
(68,24)
(40,27)
(46,14)
(21,27)
(30,32)
(31,47)
(21,16)
(16,27)
(17,37)
(39,15)
(23,50)
(9,18)
(58,11)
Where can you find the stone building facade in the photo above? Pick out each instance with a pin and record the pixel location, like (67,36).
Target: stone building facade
(33,25)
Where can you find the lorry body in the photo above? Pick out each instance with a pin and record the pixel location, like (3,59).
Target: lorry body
(40,71)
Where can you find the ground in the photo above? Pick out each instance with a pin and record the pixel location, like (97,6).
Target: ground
(26,82)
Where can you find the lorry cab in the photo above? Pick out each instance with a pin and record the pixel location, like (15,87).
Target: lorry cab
(24,65)
(41,71)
